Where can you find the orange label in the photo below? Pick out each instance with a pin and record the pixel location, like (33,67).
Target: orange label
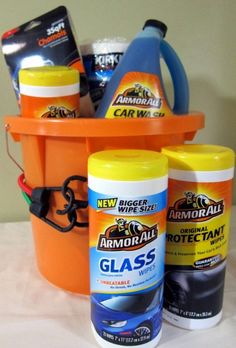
(108,225)
(139,95)
(50,107)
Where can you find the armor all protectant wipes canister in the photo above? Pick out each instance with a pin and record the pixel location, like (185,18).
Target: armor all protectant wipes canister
(127,224)
(198,218)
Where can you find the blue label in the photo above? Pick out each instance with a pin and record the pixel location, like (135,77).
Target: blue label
(143,205)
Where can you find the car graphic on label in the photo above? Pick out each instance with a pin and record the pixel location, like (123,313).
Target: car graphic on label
(194,292)
(133,318)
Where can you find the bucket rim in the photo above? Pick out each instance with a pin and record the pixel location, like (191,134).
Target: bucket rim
(91,127)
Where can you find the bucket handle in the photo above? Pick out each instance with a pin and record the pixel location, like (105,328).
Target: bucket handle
(7,127)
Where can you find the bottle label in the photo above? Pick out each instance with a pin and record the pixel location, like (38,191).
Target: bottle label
(127,250)
(139,95)
(198,219)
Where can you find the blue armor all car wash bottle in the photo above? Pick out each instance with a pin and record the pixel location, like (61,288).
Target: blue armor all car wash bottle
(136,88)
(127,225)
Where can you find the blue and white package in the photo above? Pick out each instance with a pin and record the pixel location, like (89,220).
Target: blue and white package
(100,58)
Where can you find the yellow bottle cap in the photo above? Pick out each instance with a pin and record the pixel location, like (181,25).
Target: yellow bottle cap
(49,76)
(200,157)
(127,165)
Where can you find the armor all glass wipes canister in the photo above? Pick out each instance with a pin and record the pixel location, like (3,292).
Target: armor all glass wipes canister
(198,218)
(127,224)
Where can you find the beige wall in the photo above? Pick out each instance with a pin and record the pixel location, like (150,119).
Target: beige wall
(201,31)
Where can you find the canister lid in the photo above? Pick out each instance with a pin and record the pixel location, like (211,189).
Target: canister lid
(49,76)
(199,157)
(156,24)
(127,165)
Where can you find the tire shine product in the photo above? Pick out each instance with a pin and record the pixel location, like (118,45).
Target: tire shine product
(198,225)
(127,223)
(49,92)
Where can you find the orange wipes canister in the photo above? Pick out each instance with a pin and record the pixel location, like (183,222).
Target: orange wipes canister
(49,92)
(198,225)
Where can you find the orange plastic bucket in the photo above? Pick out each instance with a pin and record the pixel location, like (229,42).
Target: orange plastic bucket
(53,150)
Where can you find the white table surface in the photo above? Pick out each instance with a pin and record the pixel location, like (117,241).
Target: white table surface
(35,314)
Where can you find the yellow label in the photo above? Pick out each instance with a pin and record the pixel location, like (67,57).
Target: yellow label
(139,95)
(198,220)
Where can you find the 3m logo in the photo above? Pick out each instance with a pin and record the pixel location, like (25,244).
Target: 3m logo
(194,208)
(126,235)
